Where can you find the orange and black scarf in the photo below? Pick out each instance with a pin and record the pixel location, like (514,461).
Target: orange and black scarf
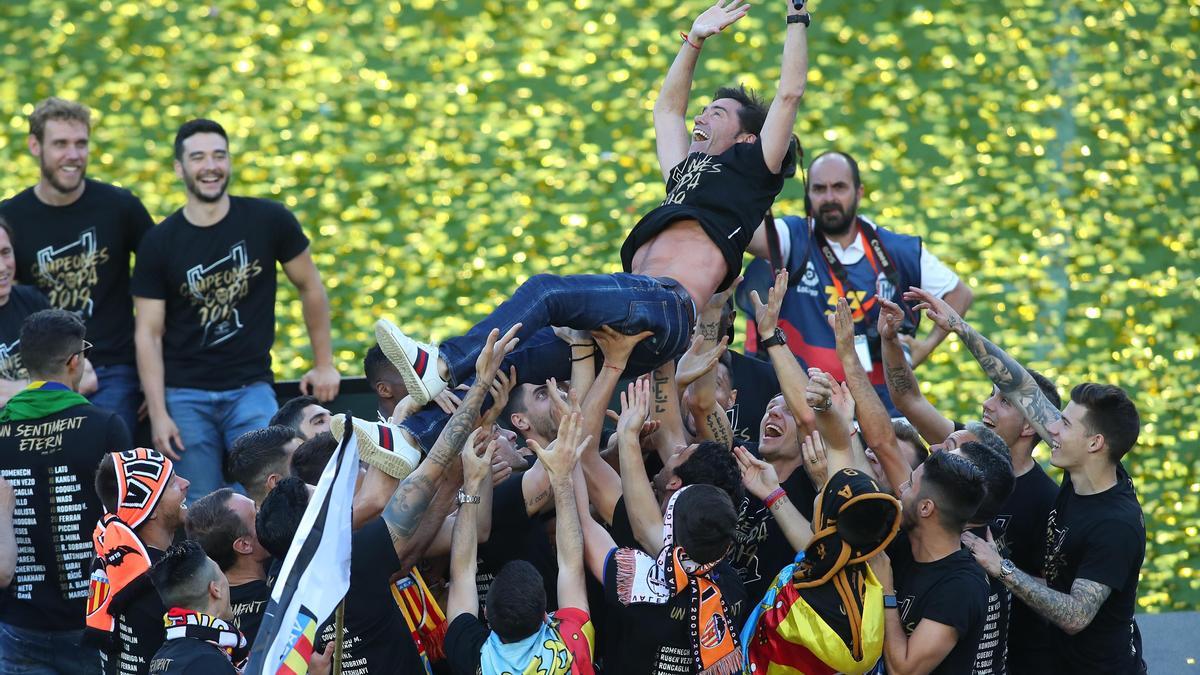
(642,579)
(121,558)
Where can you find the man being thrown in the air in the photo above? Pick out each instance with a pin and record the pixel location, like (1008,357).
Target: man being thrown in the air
(721,178)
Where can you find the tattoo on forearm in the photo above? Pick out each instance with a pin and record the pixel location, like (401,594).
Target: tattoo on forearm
(1010,377)
(452,438)
(660,382)
(406,507)
(535,502)
(718,425)
(709,331)
(900,380)
(1071,612)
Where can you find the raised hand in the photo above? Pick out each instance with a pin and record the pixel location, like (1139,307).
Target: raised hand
(816,459)
(617,346)
(758,476)
(716,18)
(939,311)
(501,387)
(843,401)
(560,457)
(635,407)
(766,316)
(891,317)
(843,329)
(492,355)
(819,392)
(699,360)
(477,466)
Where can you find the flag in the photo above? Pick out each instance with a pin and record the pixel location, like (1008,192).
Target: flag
(315,574)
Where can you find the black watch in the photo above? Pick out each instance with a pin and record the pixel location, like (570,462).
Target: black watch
(778,339)
(804,18)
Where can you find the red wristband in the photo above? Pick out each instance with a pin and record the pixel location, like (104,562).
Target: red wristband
(775,496)
(688,40)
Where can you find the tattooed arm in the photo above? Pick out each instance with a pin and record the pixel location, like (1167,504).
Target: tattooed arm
(664,407)
(698,368)
(1017,385)
(933,426)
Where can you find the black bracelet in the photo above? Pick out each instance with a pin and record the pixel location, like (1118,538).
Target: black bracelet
(582,358)
(583,344)
(804,18)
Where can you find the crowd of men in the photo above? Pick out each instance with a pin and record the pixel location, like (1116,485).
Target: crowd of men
(589,480)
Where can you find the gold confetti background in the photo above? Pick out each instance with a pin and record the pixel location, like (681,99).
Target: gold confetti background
(439,153)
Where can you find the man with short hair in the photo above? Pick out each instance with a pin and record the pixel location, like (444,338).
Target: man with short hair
(1096,534)
(260,458)
(73,238)
(223,523)
(841,254)
(303,414)
(200,640)
(51,438)
(204,288)
(721,178)
(143,500)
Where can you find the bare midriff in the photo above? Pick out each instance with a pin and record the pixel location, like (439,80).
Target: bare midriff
(685,253)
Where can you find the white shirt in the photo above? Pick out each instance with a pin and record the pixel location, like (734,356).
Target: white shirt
(936,277)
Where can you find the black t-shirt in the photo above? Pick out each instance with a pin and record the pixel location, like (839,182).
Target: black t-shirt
(1021,530)
(761,549)
(991,656)
(952,591)
(756,385)
(729,195)
(249,601)
(189,656)
(376,640)
(656,639)
(516,536)
(23,301)
(78,255)
(219,286)
(465,638)
(51,464)
(140,628)
(1101,538)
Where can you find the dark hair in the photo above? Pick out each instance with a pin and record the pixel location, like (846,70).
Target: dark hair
(197,126)
(310,458)
(106,482)
(215,527)
(1110,413)
(7,228)
(753,111)
(712,463)
(291,414)
(855,177)
(257,454)
(956,485)
(998,478)
(48,339)
(182,576)
(516,601)
(905,432)
(279,516)
(516,404)
(705,521)
(375,364)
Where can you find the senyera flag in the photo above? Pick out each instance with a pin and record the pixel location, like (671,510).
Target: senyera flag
(316,571)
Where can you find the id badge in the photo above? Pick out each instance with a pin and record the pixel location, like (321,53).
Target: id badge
(864,352)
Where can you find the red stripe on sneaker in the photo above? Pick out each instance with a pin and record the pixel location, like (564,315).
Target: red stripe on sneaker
(385,438)
(421,362)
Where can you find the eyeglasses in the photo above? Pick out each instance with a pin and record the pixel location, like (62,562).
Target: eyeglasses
(82,353)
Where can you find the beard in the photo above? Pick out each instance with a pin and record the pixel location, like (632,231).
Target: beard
(51,177)
(835,222)
(193,187)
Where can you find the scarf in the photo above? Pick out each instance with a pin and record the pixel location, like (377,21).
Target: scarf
(645,580)
(186,623)
(425,619)
(40,399)
(562,645)
(121,559)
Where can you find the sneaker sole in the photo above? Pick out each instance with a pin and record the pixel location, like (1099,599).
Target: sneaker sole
(395,353)
(369,451)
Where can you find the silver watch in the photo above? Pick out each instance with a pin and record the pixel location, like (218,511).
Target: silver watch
(1006,569)
(464,498)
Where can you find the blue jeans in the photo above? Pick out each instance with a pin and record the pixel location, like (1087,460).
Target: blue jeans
(629,303)
(209,422)
(120,392)
(24,651)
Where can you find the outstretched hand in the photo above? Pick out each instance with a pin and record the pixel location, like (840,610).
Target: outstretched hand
(487,364)
(635,407)
(699,359)
(891,318)
(716,18)
(617,346)
(560,457)
(759,477)
(477,466)
(766,316)
(843,329)
(938,310)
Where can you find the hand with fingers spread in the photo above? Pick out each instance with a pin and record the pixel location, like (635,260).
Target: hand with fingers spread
(759,477)
(617,346)
(500,388)
(487,364)
(699,359)
(716,18)
(477,466)
(816,460)
(448,401)
(938,310)
(843,330)
(560,457)
(766,316)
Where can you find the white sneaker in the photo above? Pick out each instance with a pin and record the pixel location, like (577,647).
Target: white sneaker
(416,362)
(380,445)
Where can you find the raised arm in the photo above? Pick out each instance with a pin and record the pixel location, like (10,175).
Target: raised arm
(670,110)
(1017,385)
(873,418)
(793,76)
(560,460)
(792,378)
(711,421)
(477,475)
(933,426)
(645,518)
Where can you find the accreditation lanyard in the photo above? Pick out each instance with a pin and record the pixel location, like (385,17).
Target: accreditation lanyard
(876,254)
